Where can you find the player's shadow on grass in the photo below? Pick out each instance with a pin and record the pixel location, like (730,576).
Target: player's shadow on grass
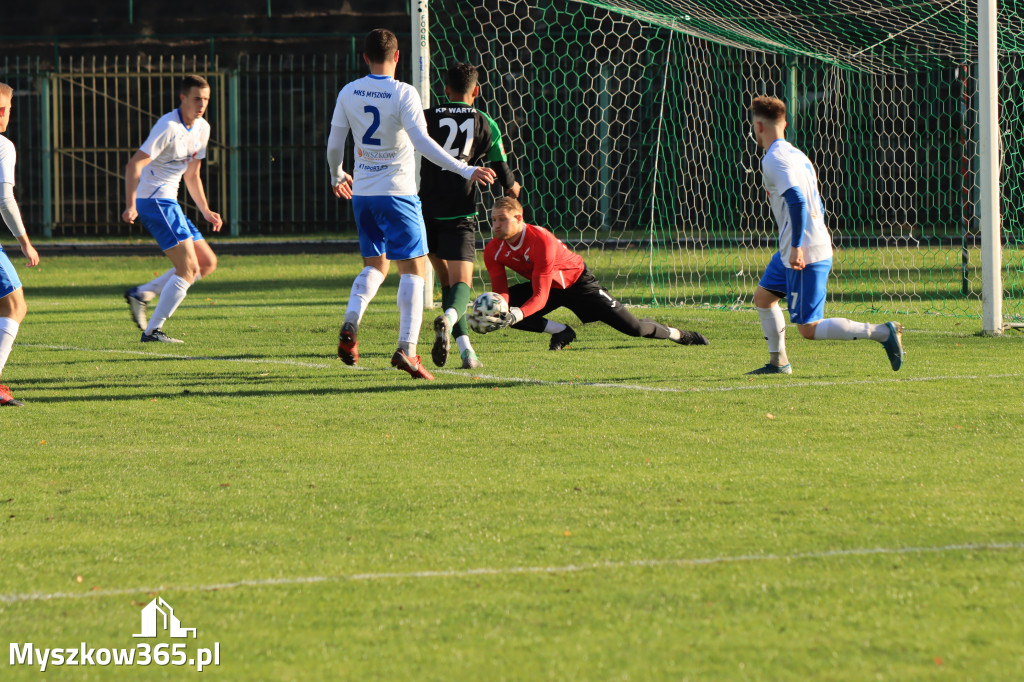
(206,288)
(656,345)
(122,309)
(171,382)
(187,394)
(130,355)
(332,358)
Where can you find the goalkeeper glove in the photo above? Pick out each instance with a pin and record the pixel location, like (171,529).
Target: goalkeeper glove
(489,323)
(507,319)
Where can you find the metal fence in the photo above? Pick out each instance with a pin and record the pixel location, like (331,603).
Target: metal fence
(76,126)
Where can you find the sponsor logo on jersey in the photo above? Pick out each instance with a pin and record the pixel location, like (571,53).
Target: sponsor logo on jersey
(371,155)
(372,169)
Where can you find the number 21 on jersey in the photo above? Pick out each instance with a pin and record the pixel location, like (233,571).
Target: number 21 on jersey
(453,130)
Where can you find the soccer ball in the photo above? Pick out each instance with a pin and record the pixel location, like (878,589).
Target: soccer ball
(487,304)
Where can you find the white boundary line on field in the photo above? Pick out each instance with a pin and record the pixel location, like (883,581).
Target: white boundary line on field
(516,570)
(761,385)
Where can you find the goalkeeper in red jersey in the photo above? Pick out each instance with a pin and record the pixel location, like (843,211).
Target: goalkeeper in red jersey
(558,278)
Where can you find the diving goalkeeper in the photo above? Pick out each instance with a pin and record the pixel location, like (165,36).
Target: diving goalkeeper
(557,278)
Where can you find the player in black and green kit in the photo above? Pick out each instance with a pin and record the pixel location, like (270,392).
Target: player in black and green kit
(450,206)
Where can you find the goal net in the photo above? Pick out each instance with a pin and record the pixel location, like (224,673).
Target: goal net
(626,122)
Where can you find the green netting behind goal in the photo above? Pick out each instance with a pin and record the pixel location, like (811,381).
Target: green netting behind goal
(627,124)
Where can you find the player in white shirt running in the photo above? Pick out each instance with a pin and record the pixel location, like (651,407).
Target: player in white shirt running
(174,149)
(386,120)
(12,296)
(799,270)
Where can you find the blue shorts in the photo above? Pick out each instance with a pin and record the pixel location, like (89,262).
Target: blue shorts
(166,222)
(391,226)
(804,290)
(9,282)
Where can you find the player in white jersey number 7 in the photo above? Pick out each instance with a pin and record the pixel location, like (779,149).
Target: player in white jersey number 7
(799,270)
(387,124)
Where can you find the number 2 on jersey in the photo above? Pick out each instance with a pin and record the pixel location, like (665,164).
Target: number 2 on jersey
(368,137)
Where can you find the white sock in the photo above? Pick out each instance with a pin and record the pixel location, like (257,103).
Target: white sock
(553,327)
(156,285)
(674,334)
(452,315)
(199,276)
(364,288)
(410,310)
(463,343)
(170,298)
(8,332)
(773,324)
(841,329)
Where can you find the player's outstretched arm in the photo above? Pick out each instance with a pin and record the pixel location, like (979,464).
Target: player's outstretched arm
(798,216)
(415,125)
(495,270)
(432,151)
(194,185)
(12,218)
(499,160)
(29,251)
(341,182)
(499,285)
(132,173)
(542,276)
(506,177)
(483,176)
(343,190)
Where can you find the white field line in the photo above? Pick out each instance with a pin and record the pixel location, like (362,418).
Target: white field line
(756,385)
(518,570)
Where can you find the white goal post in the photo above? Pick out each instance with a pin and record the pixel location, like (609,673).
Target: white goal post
(420,32)
(989,157)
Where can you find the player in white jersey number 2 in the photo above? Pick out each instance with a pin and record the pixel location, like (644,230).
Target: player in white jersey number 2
(387,124)
(175,149)
(799,270)
(12,296)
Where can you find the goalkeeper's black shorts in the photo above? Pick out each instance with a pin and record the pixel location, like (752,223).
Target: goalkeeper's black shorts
(590,301)
(452,238)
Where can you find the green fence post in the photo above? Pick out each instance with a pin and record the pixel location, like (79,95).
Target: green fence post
(47,142)
(234,163)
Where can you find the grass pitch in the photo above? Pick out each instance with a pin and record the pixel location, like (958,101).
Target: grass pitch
(623,509)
